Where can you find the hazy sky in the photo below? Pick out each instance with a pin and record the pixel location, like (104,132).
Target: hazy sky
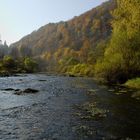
(20,17)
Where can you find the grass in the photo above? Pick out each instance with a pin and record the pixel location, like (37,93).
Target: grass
(133,83)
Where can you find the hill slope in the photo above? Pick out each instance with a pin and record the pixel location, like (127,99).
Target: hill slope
(74,38)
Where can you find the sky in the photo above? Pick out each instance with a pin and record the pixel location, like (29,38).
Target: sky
(21,17)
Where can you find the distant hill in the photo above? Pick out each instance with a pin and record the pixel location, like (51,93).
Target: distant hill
(54,41)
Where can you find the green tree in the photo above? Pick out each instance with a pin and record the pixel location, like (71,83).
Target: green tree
(30,65)
(8,63)
(123,53)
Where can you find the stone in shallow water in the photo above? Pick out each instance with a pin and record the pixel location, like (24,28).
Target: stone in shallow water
(111,90)
(28,90)
(42,80)
(118,93)
(90,111)
(9,89)
(84,130)
(122,91)
(93,90)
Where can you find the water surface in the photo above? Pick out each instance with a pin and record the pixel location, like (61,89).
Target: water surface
(50,113)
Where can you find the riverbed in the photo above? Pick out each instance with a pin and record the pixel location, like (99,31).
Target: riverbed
(53,112)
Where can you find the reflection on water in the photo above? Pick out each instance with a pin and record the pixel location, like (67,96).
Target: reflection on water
(49,114)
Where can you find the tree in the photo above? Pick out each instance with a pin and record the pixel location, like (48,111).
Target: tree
(9,63)
(84,51)
(30,65)
(123,53)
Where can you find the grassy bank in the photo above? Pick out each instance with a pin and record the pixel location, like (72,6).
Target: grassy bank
(133,83)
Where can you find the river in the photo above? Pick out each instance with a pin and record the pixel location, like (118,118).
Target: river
(51,114)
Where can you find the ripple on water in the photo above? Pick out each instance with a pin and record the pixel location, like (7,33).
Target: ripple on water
(49,114)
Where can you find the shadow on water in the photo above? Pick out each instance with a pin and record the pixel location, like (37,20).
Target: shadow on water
(123,117)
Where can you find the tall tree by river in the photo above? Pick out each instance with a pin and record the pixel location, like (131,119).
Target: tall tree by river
(121,58)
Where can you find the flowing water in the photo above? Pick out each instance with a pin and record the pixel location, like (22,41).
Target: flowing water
(50,114)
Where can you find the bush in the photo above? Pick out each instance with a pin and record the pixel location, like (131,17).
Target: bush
(8,63)
(133,83)
(30,65)
(111,70)
(81,70)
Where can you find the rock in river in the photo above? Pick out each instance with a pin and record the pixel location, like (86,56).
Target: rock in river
(28,90)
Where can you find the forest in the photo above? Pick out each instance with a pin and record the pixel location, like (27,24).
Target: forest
(103,43)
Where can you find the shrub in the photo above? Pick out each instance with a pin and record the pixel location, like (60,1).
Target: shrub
(30,65)
(133,83)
